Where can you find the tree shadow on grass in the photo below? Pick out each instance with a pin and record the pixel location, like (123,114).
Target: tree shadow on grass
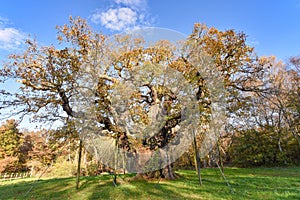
(245,186)
(57,188)
(135,190)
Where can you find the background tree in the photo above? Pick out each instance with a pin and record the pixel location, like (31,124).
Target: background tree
(39,153)
(11,141)
(268,120)
(10,138)
(293,119)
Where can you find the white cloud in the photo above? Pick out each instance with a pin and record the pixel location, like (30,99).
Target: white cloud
(116,19)
(10,38)
(123,15)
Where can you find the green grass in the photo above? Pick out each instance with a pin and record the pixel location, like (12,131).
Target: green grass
(256,183)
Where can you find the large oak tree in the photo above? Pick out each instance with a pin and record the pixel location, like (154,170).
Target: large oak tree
(50,79)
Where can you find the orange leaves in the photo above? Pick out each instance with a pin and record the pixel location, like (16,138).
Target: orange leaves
(228,49)
(140,56)
(77,33)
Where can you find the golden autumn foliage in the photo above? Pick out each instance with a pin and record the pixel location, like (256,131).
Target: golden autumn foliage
(49,77)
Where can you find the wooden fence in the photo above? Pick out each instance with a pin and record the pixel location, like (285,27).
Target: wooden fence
(13,176)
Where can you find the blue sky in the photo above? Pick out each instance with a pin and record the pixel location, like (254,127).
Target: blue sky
(273,27)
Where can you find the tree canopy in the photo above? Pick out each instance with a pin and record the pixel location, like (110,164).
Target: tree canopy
(89,82)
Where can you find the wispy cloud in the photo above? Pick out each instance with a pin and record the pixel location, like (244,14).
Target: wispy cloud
(135,4)
(3,21)
(123,15)
(253,41)
(10,38)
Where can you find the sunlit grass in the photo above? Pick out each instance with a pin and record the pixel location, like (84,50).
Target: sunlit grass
(256,183)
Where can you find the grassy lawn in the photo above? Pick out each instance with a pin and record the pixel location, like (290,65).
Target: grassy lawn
(256,183)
